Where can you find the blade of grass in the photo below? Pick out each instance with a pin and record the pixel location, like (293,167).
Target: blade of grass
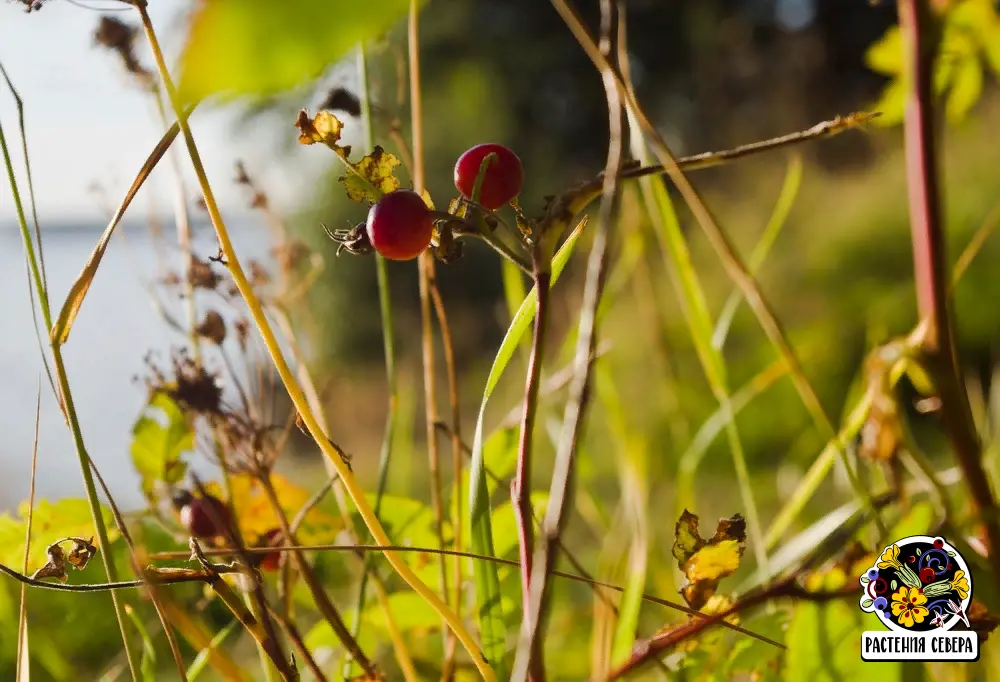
(71,307)
(201,639)
(783,207)
(731,262)
(633,470)
(69,410)
(22,672)
(147,665)
(204,657)
(687,284)
(288,379)
(687,464)
(388,345)
(41,278)
(426,275)
(491,623)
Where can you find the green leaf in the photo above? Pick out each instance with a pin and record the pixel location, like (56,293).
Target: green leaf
(261,47)
(965,88)
(891,104)
(505,525)
(750,654)
(824,645)
(866,603)
(147,665)
(51,521)
(491,620)
(410,611)
(886,54)
(204,656)
(157,445)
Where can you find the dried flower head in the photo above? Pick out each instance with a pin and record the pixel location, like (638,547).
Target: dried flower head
(201,275)
(212,327)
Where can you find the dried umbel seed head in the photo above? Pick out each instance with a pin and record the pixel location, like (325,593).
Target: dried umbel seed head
(213,328)
(201,275)
(290,254)
(192,386)
(259,276)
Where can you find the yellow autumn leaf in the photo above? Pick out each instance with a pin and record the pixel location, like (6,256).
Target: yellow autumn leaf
(372,177)
(323,128)
(706,562)
(51,521)
(713,562)
(256,515)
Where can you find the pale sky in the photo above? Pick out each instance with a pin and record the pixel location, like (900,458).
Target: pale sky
(86,121)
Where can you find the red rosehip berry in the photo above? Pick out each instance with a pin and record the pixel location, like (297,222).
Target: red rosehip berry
(271,560)
(400,225)
(938,543)
(927,574)
(202,517)
(911,559)
(502,180)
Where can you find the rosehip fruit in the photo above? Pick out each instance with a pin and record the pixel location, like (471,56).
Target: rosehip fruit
(938,543)
(502,180)
(270,561)
(202,517)
(400,225)
(927,574)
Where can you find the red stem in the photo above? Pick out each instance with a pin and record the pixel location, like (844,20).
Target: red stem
(919,26)
(520,489)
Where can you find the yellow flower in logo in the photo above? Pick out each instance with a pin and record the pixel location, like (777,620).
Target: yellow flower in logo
(908,606)
(890,558)
(960,584)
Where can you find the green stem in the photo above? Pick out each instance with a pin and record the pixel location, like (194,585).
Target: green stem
(385,314)
(69,409)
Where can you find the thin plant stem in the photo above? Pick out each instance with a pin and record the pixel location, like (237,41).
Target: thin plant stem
(920,44)
(388,345)
(69,411)
(319,596)
(183,226)
(295,637)
(527,659)
(22,619)
(288,379)
(733,265)
(520,490)
(456,463)
(281,314)
(425,265)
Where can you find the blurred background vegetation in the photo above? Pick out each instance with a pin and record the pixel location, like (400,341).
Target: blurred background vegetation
(712,74)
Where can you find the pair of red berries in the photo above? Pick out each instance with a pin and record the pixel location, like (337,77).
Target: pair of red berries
(400,224)
(207,517)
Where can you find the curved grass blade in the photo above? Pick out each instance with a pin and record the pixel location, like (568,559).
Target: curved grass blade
(783,207)
(71,307)
(492,632)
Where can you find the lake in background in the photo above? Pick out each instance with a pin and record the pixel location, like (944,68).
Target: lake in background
(116,326)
